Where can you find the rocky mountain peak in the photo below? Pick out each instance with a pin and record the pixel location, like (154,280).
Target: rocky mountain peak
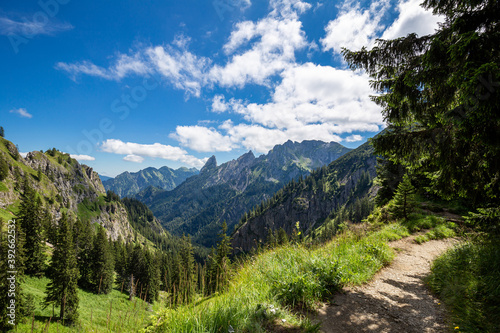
(210,165)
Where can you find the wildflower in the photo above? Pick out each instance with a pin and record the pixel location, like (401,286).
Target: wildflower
(456,327)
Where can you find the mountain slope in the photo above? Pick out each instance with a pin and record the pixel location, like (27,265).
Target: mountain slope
(64,185)
(310,201)
(130,183)
(199,205)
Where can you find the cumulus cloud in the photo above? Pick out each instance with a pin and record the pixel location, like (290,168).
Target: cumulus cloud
(182,68)
(255,51)
(134,158)
(156,150)
(82,157)
(30,28)
(314,94)
(355,27)
(354,138)
(22,112)
(274,41)
(413,18)
(202,139)
(312,102)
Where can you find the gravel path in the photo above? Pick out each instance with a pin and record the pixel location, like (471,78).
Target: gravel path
(396,300)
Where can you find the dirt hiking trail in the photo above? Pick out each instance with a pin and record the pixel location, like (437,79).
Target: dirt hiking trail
(396,300)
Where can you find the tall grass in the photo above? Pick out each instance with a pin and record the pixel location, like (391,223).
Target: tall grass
(467,280)
(97,313)
(275,284)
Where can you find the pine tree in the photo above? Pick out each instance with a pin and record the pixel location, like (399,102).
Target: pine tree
(102,264)
(30,216)
(188,270)
(2,132)
(62,290)
(440,95)
(404,199)
(220,264)
(282,237)
(152,277)
(83,239)
(4,168)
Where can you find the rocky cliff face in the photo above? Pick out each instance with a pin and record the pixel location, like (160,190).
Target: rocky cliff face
(311,201)
(63,184)
(224,192)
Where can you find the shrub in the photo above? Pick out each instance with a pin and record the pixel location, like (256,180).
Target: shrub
(467,280)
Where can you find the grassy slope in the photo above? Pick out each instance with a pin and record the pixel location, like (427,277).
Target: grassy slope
(273,284)
(467,280)
(94,310)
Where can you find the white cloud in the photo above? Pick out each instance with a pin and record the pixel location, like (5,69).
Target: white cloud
(10,27)
(312,102)
(82,157)
(183,69)
(124,65)
(354,138)
(314,94)
(155,150)
(22,112)
(273,40)
(413,18)
(134,158)
(202,139)
(219,104)
(354,28)
(23,155)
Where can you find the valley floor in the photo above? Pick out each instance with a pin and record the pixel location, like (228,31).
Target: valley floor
(396,300)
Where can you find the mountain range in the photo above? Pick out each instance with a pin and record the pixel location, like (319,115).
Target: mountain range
(308,203)
(127,184)
(200,204)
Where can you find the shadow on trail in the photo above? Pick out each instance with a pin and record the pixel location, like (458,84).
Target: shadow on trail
(408,307)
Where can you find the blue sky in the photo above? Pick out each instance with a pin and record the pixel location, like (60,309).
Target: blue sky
(123,85)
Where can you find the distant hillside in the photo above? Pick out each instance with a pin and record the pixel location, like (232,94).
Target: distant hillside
(104,178)
(310,201)
(128,184)
(64,185)
(199,205)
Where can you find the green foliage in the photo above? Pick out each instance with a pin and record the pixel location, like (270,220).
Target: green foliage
(11,259)
(102,263)
(4,168)
(144,266)
(30,217)
(486,219)
(266,287)
(62,290)
(389,175)
(467,280)
(220,265)
(440,96)
(439,232)
(2,132)
(84,240)
(112,312)
(404,200)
